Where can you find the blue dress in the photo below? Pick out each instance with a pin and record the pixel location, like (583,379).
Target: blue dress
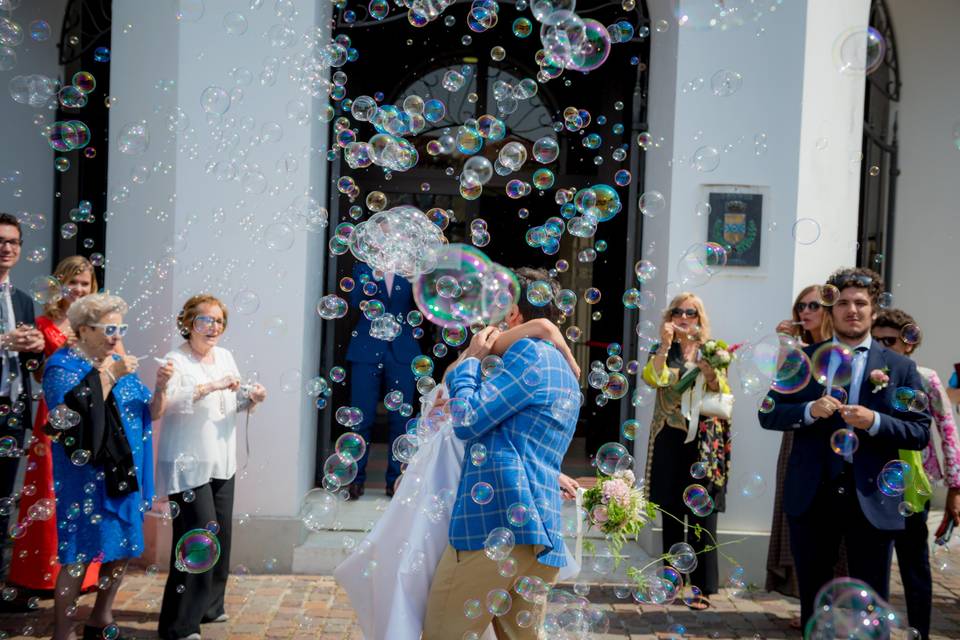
(91,525)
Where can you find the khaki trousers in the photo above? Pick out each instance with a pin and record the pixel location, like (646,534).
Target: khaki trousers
(470,575)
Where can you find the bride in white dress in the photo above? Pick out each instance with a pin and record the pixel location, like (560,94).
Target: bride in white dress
(388,575)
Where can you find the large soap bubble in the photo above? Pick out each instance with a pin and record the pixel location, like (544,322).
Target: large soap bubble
(484,290)
(197,551)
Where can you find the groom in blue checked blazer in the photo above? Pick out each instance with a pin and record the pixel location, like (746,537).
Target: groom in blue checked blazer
(525,416)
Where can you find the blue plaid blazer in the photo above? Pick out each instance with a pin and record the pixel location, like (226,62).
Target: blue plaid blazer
(525,416)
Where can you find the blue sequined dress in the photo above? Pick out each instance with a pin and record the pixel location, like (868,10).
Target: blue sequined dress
(92,525)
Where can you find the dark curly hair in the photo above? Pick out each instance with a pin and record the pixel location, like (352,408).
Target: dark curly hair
(526,276)
(860,278)
(897,319)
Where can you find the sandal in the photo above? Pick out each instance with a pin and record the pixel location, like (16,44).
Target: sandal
(700,603)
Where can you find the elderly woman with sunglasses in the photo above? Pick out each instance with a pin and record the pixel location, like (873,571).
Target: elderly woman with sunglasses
(677,456)
(197,460)
(102,457)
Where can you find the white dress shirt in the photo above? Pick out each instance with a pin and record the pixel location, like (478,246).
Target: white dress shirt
(7,300)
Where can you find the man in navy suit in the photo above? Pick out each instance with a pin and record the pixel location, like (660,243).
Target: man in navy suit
(831,496)
(20,343)
(379,366)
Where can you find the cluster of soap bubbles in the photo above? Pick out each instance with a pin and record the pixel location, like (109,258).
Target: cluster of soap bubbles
(849,608)
(401,240)
(465,287)
(569,41)
(34,90)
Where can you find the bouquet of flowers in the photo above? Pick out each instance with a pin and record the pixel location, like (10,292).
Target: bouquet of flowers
(618,508)
(717,354)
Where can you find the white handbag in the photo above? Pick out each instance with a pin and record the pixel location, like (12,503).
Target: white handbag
(698,401)
(717,405)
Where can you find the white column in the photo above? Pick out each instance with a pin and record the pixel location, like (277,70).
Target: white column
(766,134)
(215,216)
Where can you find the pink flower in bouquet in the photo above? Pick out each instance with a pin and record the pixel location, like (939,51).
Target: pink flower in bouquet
(627,476)
(616,491)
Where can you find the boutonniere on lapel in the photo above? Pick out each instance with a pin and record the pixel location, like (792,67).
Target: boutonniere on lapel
(880,378)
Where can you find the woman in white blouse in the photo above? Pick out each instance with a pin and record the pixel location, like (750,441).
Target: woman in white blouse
(197,460)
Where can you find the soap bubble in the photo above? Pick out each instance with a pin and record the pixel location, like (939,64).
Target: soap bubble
(45,290)
(343,468)
(698,500)
(725,83)
(859,50)
(499,602)
(894,478)
(806,231)
(844,442)
(652,203)
(351,446)
(832,365)
(133,139)
(319,509)
(487,290)
(481,493)
(197,551)
(682,557)
(499,544)
(608,457)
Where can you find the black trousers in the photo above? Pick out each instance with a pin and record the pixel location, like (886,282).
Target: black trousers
(670,475)
(815,537)
(9,465)
(913,556)
(201,596)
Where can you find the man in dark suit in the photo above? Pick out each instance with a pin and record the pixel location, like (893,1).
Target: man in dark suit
(379,366)
(20,345)
(831,496)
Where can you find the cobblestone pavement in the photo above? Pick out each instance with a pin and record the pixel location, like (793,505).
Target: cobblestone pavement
(314,607)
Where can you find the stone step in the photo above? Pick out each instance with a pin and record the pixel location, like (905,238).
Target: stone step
(321,551)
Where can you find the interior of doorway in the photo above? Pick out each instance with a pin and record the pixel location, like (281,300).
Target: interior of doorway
(605,261)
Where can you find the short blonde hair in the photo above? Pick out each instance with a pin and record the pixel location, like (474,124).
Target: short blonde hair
(89,309)
(697,303)
(191,309)
(68,269)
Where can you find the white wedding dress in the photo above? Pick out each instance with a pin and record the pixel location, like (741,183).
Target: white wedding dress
(388,576)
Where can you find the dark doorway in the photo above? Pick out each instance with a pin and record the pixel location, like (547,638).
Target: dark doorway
(398,61)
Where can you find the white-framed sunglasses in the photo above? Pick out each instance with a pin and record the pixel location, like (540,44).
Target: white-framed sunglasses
(111,330)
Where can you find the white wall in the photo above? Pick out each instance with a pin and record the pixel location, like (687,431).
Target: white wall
(24,150)
(928,216)
(187,231)
(792,94)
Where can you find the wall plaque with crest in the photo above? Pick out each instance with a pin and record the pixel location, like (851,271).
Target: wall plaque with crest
(735,223)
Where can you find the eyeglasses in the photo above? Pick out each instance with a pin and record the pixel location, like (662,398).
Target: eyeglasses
(11,243)
(847,280)
(111,330)
(206,324)
(801,306)
(690,313)
(888,341)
